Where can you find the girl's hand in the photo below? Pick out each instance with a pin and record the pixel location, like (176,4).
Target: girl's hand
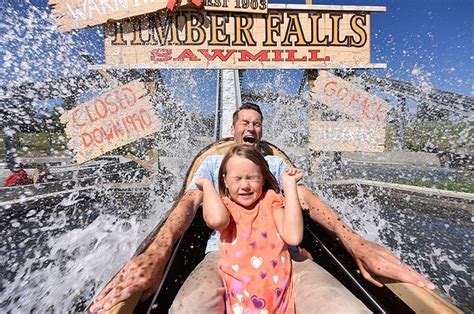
(292,174)
(201,182)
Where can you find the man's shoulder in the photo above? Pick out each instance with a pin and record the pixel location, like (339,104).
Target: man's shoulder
(217,159)
(207,168)
(211,161)
(276,164)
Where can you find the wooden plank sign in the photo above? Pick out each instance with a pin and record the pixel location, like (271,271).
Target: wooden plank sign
(287,37)
(115,118)
(347,98)
(344,136)
(73,14)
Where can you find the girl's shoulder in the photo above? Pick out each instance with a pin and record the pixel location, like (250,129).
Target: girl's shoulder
(274,199)
(225,200)
(231,206)
(270,194)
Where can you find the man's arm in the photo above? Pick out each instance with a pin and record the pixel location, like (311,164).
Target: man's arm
(144,272)
(372,259)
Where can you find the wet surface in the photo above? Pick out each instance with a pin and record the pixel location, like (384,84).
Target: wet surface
(384,172)
(46,251)
(436,240)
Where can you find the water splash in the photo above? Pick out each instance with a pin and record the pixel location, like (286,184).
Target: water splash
(60,259)
(56,259)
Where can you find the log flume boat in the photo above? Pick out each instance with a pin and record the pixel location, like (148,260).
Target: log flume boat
(324,248)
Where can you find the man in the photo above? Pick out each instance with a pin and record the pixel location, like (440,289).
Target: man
(144,272)
(18,177)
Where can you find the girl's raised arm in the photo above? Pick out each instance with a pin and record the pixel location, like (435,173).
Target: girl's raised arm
(215,213)
(289,219)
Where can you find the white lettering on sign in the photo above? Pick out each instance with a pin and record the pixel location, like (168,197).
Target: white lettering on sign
(344,136)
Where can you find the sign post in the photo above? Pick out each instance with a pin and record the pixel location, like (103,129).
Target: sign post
(228,100)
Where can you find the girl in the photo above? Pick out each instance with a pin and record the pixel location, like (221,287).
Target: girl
(256,225)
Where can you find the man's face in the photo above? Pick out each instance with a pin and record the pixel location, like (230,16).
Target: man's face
(248,128)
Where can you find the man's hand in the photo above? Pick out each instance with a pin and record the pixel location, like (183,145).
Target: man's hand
(142,273)
(291,174)
(374,260)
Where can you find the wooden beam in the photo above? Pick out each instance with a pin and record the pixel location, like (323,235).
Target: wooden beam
(111,80)
(191,66)
(324,7)
(422,300)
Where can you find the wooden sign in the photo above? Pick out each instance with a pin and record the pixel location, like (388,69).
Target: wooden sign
(73,14)
(249,6)
(344,136)
(295,36)
(347,98)
(116,118)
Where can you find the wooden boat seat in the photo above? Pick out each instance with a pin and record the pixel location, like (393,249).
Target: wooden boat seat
(221,147)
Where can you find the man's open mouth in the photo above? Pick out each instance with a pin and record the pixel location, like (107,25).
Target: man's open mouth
(249,139)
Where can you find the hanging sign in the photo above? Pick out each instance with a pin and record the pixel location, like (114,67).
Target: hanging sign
(73,14)
(115,118)
(345,136)
(289,36)
(347,98)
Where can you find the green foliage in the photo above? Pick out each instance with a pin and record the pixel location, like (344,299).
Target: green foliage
(137,148)
(391,137)
(466,186)
(2,149)
(442,135)
(34,144)
(430,112)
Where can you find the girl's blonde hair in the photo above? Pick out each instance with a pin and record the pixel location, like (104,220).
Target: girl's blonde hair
(255,156)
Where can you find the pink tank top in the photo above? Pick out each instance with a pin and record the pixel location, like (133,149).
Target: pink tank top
(255,264)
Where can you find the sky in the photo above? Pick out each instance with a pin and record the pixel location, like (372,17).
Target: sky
(425,38)
(422,41)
